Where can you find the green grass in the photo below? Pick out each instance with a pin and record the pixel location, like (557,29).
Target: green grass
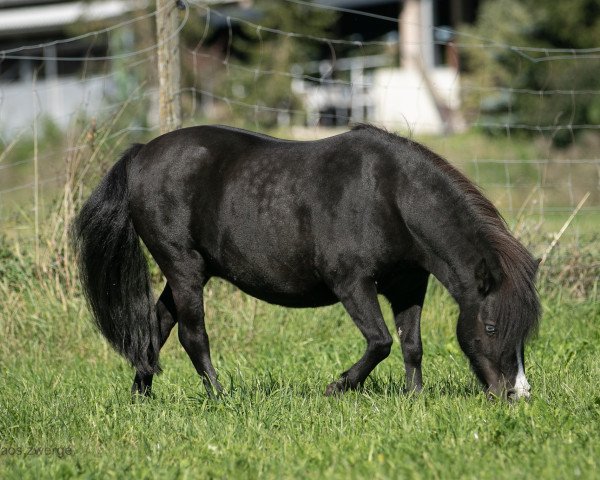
(65,409)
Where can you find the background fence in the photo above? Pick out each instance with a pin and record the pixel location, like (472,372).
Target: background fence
(91,93)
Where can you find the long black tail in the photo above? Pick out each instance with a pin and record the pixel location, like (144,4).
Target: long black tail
(114,272)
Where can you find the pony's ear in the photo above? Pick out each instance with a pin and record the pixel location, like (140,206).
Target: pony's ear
(484,278)
(538,262)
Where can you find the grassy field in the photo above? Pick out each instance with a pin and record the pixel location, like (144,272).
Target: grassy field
(65,409)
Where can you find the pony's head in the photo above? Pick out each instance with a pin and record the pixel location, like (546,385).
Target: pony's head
(492,329)
(495,287)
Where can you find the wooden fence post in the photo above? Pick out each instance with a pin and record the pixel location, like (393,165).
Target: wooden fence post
(169,110)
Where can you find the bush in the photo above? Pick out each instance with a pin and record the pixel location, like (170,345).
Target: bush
(501,66)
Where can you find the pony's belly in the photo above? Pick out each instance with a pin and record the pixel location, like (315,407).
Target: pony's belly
(305,295)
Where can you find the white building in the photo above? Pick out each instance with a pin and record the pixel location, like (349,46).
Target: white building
(422,94)
(40,72)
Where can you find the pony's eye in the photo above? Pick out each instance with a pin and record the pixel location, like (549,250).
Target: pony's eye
(490,329)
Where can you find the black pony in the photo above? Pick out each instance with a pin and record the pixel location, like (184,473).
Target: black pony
(303,224)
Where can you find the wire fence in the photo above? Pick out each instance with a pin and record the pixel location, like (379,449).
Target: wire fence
(536,185)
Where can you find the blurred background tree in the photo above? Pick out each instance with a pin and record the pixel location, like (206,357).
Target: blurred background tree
(504,24)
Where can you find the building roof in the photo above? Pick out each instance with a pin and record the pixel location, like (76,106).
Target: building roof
(49,17)
(24,3)
(33,16)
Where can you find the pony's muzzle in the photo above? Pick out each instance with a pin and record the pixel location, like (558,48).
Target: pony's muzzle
(518,393)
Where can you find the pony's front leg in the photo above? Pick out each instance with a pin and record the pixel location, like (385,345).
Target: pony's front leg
(167,318)
(407,303)
(408,324)
(360,300)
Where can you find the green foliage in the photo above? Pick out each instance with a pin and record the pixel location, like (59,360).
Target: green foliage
(20,152)
(14,269)
(503,24)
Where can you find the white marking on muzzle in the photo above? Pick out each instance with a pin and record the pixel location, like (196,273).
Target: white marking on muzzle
(522,387)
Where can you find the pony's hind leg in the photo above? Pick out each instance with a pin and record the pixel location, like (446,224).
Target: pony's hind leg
(187,278)
(360,300)
(406,300)
(167,318)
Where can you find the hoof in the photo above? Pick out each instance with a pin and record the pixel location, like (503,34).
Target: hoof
(138,397)
(214,391)
(138,391)
(414,390)
(337,388)
(215,395)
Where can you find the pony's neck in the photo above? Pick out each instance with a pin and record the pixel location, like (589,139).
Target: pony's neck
(458,276)
(455,258)
(448,218)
